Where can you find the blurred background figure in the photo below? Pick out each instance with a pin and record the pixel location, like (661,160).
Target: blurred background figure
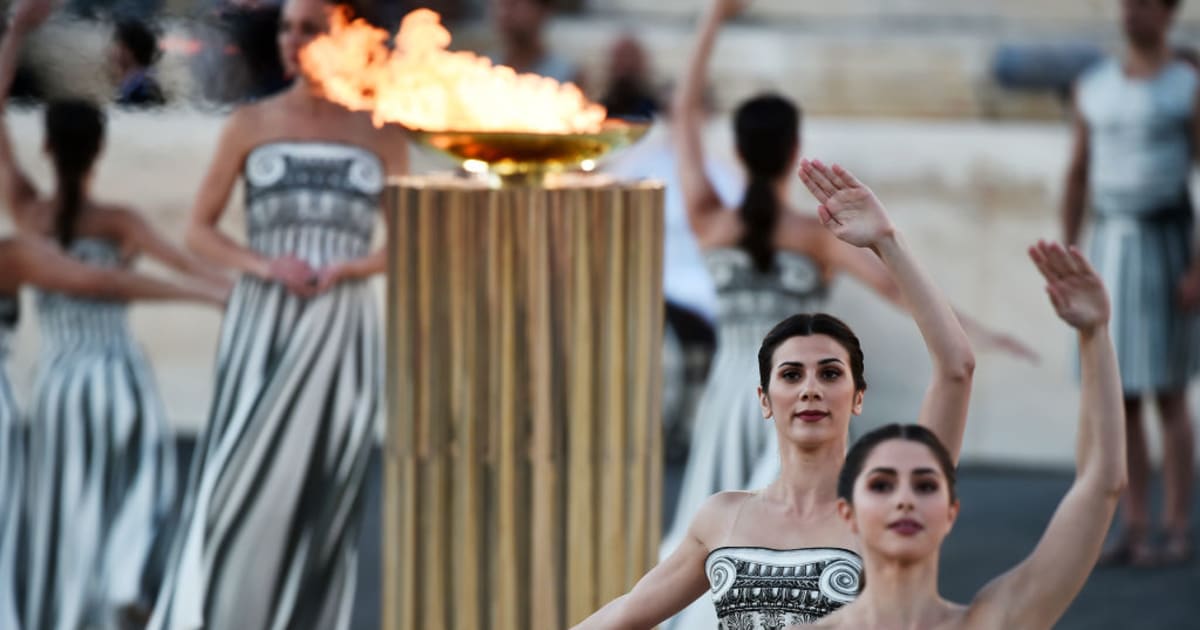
(520,25)
(1137,126)
(132,56)
(630,91)
(239,61)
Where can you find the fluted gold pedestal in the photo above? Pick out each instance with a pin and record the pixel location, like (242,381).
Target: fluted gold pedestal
(523,472)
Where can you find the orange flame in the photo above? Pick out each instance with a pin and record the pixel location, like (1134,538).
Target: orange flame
(420,84)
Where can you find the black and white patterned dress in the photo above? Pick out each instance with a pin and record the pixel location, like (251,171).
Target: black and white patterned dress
(101,461)
(274,502)
(754,588)
(12,476)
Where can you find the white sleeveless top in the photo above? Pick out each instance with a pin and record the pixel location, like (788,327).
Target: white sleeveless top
(1140,136)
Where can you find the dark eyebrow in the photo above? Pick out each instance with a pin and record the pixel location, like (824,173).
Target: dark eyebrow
(926,471)
(886,471)
(801,364)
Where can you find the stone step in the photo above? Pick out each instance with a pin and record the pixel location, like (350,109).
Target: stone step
(908,59)
(898,13)
(901,74)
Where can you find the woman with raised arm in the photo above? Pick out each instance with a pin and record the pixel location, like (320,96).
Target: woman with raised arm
(768,261)
(101,491)
(896,492)
(781,555)
(32,260)
(275,499)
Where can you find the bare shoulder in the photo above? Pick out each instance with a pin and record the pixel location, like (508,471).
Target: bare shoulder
(249,125)
(114,213)
(721,229)
(249,116)
(716,515)
(382,140)
(802,228)
(990,606)
(806,235)
(116,221)
(35,214)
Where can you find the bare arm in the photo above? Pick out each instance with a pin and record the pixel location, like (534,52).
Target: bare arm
(667,589)
(1075,191)
(358,269)
(15,187)
(699,195)
(392,147)
(1037,592)
(865,267)
(138,233)
(203,236)
(856,216)
(41,263)
(675,583)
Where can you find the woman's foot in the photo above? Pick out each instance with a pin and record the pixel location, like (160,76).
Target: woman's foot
(1130,551)
(1178,548)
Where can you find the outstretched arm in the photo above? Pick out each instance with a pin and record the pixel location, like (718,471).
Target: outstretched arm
(865,267)
(687,114)
(141,237)
(392,146)
(15,186)
(667,589)
(853,213)
(1037,592)
(206,239)
(676,582)
(42,263)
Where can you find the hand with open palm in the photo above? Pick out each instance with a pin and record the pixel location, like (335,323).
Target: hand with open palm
(848,208)
(1075,289)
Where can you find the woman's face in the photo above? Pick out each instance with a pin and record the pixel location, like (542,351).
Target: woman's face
(811,394)
(1146,22)
(902,508)
(300,22)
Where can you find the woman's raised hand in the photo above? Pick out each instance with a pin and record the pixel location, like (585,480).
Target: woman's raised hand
(1074,288)
(848,208)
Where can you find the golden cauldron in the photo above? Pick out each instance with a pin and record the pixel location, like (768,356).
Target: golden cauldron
(517,157)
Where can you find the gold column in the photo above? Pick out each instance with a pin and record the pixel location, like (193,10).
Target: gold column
(523,468)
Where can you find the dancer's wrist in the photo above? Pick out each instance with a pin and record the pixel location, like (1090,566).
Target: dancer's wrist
(888,243)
